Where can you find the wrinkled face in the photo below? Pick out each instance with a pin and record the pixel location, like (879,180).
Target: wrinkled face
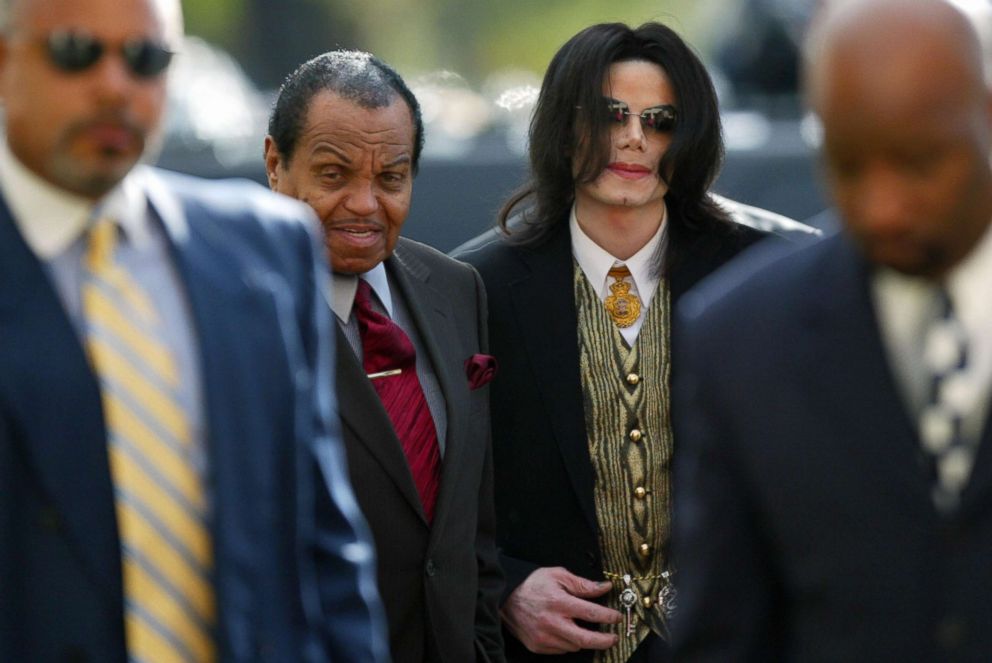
(84,130)
(632,178)
(354,167)
(908,165)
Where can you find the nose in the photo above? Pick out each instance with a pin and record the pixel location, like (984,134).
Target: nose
(632,134)
(112,80)
(361,199)
(883,201)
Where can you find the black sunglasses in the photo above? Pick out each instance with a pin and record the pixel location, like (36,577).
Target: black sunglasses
(659,118)
(74,52)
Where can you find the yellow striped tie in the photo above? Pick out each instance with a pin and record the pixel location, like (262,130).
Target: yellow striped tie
(161,509)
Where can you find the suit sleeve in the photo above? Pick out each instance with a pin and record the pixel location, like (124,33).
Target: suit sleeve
(726,590)
(487,622)
(340,599)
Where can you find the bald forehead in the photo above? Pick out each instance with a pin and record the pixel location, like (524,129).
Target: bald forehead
(169,13)
(903,46)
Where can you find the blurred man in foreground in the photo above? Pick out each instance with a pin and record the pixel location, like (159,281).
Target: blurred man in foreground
(345,136)
(834,489)
(172,486)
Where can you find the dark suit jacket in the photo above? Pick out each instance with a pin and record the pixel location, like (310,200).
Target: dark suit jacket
(288,582)
(804,525)
(440,583)
(544,476)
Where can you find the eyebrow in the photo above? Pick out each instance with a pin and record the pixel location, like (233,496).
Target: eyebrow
(398,161)
(333,149)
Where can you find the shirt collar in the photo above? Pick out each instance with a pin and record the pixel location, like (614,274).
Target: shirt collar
(969,283)
(51,219)
(596,262)
(344,287)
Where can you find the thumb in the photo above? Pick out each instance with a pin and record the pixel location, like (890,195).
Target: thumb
(583,587)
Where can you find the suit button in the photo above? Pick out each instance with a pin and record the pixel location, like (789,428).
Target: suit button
(647,602)
(633,378)
(640,492)
(951,632)
(636,435)
(430,568)
(644,549)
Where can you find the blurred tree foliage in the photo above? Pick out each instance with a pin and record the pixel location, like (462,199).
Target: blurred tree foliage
(471,37)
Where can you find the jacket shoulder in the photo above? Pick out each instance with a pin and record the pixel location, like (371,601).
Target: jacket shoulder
(235,200)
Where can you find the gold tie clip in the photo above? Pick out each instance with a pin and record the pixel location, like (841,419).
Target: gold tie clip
(385,374)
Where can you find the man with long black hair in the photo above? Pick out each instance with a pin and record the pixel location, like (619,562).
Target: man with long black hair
(616,224)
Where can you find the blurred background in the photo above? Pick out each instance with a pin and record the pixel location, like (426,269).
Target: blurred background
(475,67)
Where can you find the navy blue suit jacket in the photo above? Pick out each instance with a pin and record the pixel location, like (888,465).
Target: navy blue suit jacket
(294,575)
(804,527)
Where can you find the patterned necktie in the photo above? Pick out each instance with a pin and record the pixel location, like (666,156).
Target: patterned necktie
(622,305)
(949,400)
(391,362)
(166,551)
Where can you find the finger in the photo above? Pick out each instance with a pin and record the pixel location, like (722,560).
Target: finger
(572,607)
(583,638)
(582,587)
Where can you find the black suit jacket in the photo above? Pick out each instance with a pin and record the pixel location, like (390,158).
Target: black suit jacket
(440,583)
(291,578)
(544,476)
(804,528)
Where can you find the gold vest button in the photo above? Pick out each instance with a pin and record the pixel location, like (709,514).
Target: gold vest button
(647,602)
(640,492)
(636,435)
(644,549)
(633,378)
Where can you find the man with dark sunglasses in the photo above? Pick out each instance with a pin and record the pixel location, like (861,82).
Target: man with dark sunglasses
(172,483)
(590,259)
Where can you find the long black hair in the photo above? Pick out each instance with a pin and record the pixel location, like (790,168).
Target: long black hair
(570,113)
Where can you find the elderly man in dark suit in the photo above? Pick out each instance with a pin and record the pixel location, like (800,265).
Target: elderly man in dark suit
(345,136)
(834,488)
(172,482)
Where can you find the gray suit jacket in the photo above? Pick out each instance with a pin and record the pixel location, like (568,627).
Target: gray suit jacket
(440,583)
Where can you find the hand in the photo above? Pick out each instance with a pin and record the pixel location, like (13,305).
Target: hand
(541,612)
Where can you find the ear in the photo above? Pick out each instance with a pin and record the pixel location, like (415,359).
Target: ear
(273,163)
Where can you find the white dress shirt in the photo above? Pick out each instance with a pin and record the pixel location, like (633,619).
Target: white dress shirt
(905,305)
(54,222)
(596,263)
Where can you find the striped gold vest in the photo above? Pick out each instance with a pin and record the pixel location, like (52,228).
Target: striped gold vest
(626,401)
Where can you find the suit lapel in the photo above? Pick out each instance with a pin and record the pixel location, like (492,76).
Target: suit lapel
(850,374)
(544,303)
(433,316)
(53,399)
(980,482)
(224,300)
(362,412)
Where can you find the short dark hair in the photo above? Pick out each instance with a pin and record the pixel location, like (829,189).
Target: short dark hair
(569,111)
(356,76)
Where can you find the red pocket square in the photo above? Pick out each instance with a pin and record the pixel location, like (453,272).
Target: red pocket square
(480,369)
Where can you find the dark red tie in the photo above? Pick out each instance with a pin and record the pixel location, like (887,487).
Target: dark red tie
(387,348)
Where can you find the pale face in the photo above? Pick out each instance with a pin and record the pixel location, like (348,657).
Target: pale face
(354,167)
(81,131)
(632,180)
